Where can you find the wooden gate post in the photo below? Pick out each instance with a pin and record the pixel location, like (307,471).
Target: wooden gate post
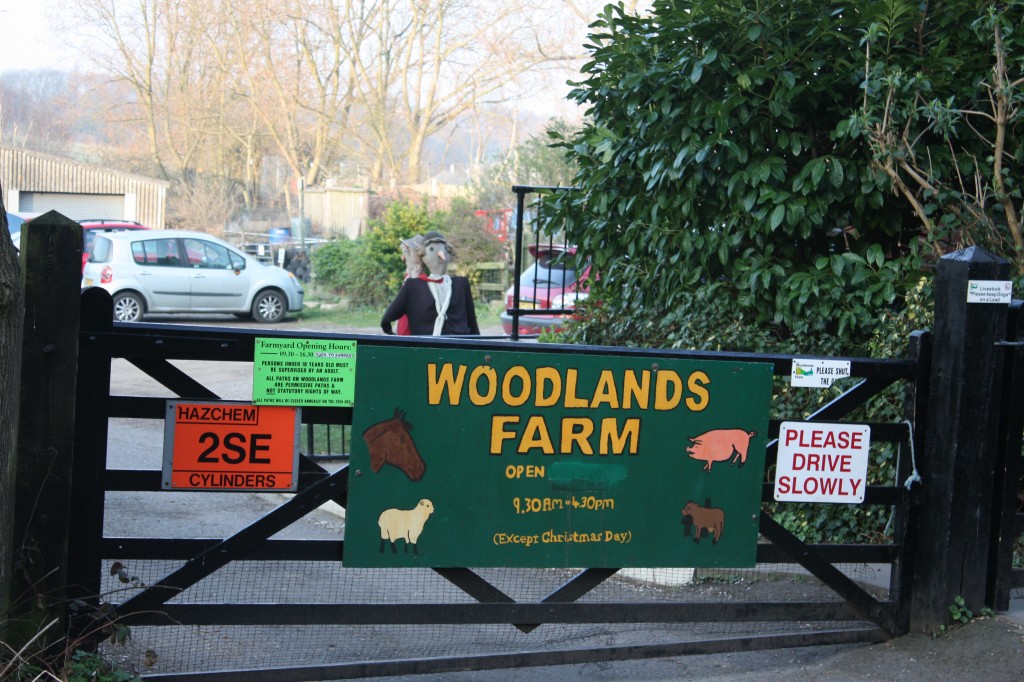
(1008,466)
(961,442)
(52,276)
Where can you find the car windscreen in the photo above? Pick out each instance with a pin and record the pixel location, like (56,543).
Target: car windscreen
(550,269)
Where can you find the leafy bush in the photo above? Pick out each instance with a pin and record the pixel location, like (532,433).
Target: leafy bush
(465,231)
(370,269)
(333,261)
(756,149)
(472,244)
(781,178)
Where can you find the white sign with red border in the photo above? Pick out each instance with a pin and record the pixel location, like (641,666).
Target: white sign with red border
(820,462)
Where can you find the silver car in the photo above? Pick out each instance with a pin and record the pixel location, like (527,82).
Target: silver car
(177,271)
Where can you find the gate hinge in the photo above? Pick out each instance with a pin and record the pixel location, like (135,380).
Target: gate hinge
(1009,344)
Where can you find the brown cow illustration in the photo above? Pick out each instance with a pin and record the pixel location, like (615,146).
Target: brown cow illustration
(721,445)
(390,442)
(706,518)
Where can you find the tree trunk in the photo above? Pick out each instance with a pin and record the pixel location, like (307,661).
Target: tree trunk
(11,312)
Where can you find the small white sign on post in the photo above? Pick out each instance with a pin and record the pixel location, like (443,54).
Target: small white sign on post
(812,373)
(989,291)
(822,462)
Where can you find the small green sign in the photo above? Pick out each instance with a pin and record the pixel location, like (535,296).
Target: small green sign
(489,458)
(317,372)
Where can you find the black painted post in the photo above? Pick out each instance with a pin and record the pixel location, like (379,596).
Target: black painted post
(961,442)
(89,475)
(43,511)
(1008,466)
(907,526)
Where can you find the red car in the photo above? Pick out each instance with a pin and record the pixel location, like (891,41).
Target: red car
(92,227)
(551,283)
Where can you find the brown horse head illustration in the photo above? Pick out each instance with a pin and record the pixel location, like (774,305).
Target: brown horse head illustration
(390,442)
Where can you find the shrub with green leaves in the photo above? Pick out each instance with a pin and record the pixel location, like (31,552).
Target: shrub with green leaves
(751,148)
(782,177)
(333,261)
(370,269)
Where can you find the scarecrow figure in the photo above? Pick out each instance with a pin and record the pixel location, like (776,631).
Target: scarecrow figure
(413,268)
(435,303)
(411,256)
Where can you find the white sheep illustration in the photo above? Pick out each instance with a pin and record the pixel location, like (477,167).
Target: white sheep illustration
(405,524)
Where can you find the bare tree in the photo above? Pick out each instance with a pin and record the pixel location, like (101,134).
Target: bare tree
(39,109)
(444,57)
(204,203)
(289,61)
(130,53)
(364,85)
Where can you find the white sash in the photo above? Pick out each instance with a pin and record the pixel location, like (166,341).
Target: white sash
(442,293)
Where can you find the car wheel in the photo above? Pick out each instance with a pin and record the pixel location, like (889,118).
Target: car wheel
(269,306)
(128,307)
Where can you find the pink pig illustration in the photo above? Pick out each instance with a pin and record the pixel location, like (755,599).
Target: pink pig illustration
(720,445)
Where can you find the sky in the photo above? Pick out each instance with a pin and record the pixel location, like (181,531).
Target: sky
(25,37)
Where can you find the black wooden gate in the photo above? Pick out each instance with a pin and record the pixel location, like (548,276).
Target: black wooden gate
(106,595)
(152,347)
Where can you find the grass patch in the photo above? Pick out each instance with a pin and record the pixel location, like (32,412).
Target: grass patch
(341,317)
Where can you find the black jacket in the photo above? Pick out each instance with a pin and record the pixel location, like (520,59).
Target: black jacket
(417,303)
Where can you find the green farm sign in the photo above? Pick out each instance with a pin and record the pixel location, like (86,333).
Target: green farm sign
(486,458)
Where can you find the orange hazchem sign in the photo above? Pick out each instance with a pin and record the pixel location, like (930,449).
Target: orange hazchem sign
(230,446)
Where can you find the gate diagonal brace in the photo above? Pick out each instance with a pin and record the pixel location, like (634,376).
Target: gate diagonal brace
(173,378)
(841,406)
(232,548)
(484,592)
(851,399)
(862,603)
